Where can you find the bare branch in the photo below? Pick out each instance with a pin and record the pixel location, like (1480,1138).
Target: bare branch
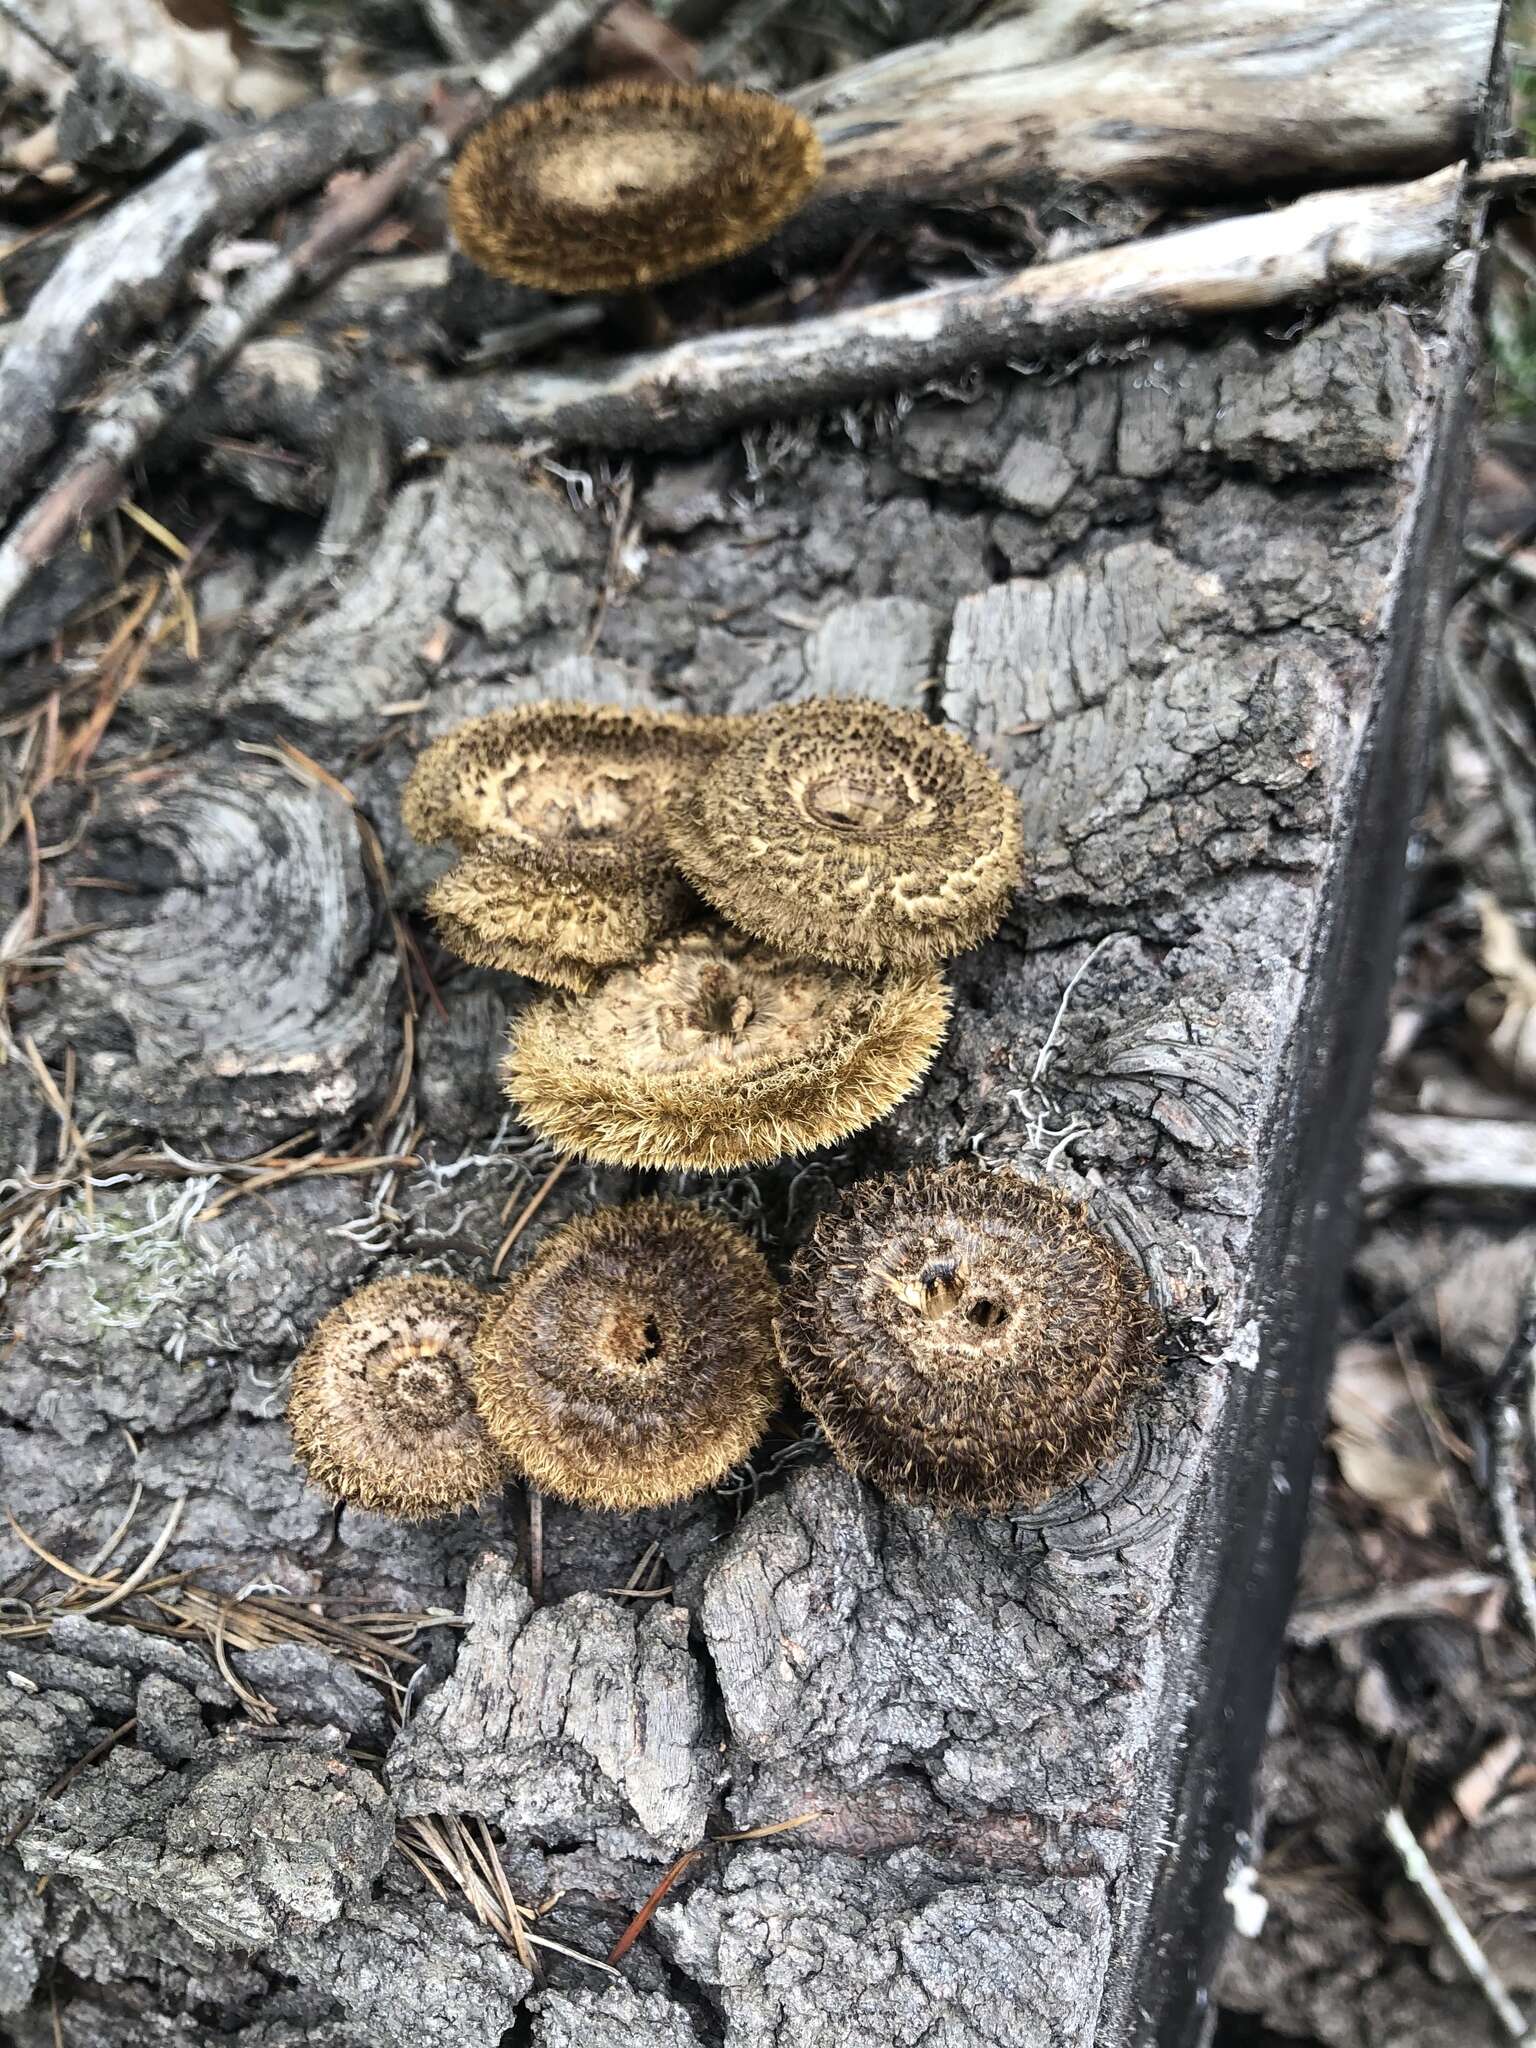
(124,272)
(1317,248)
(1421,1874)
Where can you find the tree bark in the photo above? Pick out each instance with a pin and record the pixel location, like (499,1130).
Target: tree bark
(1183,598)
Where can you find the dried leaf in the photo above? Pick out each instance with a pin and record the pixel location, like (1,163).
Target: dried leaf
(1384,1452)
(629,42)
(1505,1010)
(1476,1789)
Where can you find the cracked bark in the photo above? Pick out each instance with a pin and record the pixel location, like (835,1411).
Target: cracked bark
(1182,600)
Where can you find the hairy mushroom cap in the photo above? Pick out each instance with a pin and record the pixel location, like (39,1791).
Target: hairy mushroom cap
(632,1362)
(715,1052)
(558,811)
(852,832)
(968,1340)
(381,1408)
(616,187)
(553,919)
(588,779)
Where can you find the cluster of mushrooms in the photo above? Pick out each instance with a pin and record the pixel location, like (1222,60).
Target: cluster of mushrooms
(741,922)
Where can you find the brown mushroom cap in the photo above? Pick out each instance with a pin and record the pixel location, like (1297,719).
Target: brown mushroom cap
(716,1052)
(848,831)
(632,1362)
(967,1339)
(615,187)
(558,810)
(381,1409)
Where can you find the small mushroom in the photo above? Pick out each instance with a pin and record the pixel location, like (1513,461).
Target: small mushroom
(381,1409)
(616,187)
(967,1339)
(852,832)
(632,1362)
(557,810)
(555,918)
(715,1052)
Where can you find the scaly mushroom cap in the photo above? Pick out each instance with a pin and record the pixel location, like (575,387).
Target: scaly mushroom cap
(632,1362)
(967,1340)
(851,832)
(381,1409)
(616,187)
(716,1052)
(558,810)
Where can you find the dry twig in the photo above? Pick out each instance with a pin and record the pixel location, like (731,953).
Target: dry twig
(1316,248)
(1421,1875)
(1508,1431)
(127,268)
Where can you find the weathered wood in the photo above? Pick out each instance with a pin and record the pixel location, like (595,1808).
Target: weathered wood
(125,272)
(1202,97)
(1315,249)
(1181,599)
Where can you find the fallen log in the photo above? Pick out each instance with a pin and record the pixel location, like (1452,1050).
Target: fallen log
(810,1766)
(1204,97)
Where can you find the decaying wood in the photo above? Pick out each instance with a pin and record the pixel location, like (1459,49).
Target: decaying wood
(1315,249)
(1180,594)
(1080,97)
(984,1716)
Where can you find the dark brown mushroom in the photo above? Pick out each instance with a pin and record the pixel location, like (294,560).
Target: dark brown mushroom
(967,1339)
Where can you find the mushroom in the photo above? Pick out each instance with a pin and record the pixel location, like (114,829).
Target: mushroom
(851,832)
(557,809)
(631,1363)
(966,1339)
(716,1052)
(616,187)
(381,1410)
(560,919)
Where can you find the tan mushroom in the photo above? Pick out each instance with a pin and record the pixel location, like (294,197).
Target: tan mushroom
(716,1052)
(558,810)
(851,832)
(616,187)
(381,1409)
